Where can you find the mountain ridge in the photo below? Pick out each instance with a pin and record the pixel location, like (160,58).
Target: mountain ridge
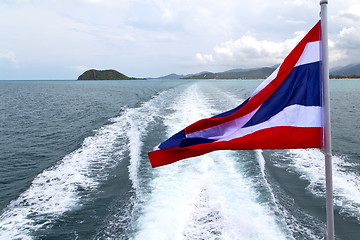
(351,70)
(255,73)
(348,71)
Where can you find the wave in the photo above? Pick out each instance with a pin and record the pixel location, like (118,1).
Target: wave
(310,163)
(68,184)
(121,221)
(62,187)
(291,216)
(206,197)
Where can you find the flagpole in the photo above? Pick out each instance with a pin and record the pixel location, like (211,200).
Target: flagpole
(327,123)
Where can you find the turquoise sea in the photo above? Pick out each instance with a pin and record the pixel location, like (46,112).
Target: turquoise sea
(74,165)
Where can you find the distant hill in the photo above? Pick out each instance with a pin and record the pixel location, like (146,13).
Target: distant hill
(94,74)
(352,70)
(257,73)
(172,76)
(177,76)
(241,69)
(349,71)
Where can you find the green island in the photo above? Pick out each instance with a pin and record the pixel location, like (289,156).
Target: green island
(110,74)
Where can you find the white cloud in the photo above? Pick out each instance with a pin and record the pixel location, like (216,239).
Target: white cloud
(9,57)
(248,51)
(149,37)
(68,2)
(296,22)
(344,44)
(352,13)
(80,68)
(167,13)
(346,48)
(204,58)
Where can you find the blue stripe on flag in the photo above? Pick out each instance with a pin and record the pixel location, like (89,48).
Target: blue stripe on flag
(174,141)
(187,142)
(302,87)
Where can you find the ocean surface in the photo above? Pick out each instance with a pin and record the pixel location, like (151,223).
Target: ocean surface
(74,165)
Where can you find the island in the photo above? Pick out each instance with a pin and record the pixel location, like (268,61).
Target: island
(349,71)
(110,74)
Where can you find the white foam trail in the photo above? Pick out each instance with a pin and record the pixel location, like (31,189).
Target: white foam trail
(292,224)
(153,221)
(205,197)
(346,183)
(134,134)
(137,121)
(261,161)
(61,188)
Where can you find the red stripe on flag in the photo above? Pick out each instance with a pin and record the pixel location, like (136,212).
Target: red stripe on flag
(270,138)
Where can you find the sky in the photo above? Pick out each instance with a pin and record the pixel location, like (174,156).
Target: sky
(60,39)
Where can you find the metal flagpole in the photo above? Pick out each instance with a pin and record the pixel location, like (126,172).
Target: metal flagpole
(327,124)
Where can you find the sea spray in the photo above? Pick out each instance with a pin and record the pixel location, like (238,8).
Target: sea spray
(63,187)
(220,195)
(310,164)
(203,197)
(136,122)
(160,207)
(280,203)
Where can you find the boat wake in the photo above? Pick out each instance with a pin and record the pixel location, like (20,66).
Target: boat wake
(207,197)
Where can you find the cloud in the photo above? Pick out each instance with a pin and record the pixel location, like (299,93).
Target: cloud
(9,57)
(152,37)
(299,22)
(346,48)
(352,13)
(344,45)
(83,2)
(248,51)
(166,13)
(80,68)
(204,58)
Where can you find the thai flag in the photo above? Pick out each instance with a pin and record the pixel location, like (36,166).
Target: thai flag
(284,112)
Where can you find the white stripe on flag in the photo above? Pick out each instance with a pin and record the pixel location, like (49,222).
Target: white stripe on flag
(292,116)
(310,54)
(223,130)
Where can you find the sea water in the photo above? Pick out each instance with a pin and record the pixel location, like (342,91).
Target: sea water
(74,165)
